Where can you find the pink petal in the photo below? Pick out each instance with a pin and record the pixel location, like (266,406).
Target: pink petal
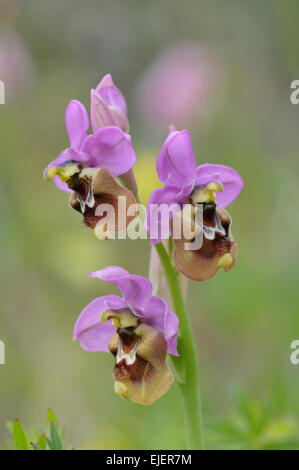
(93,334)
(110,148)
(65,156)
(170,196)
(77,123)
(111,94)
(61,185)
(100,114)
(159,316)
(176,163)
(229,177)
(106,81)
(136,290)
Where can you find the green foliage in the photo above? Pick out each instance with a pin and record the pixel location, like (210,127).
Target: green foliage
(49,439)
(251,425)
(54,442)
(19,436)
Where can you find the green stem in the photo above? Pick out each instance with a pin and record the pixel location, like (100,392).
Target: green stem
(186,365)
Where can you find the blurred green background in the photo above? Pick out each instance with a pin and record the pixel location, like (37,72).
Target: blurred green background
(244,321)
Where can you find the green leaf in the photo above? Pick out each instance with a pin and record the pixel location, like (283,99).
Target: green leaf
(55,442)
(51,418)
(20,436)
(42,442)
(34,435)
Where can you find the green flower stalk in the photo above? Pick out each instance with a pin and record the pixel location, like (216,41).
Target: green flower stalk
(186,364)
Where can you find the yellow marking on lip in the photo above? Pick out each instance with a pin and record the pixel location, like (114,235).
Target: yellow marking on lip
(64,173)
(51,173)
(215,186)
(123,318)
(115,322)
(121,389)
(208,193)
(99,231)
(225,261)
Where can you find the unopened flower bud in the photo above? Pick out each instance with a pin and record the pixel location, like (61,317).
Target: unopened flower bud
(108,106)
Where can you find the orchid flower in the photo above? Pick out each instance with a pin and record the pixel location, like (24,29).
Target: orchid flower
(87,168)
(137,328)
(213,186)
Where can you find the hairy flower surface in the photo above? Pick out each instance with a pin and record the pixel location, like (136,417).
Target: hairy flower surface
(214,187)
(137,328)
